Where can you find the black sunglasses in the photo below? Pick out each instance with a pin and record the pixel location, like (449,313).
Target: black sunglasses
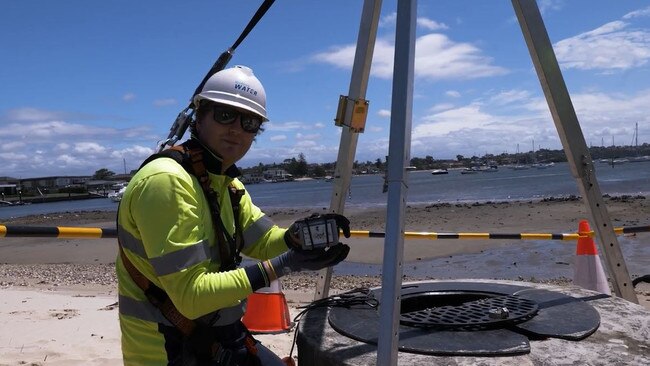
(225,116)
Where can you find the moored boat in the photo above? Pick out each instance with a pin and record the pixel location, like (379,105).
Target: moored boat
(439,171)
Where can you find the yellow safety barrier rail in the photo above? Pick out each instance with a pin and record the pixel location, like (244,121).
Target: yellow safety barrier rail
(62,232)
(501,236)
(66,232)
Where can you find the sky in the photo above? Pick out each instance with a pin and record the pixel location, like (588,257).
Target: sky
(86,85)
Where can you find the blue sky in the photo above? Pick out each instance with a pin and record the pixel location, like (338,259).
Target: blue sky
(88,85)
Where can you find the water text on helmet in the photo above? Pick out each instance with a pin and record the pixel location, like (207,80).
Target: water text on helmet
(245,88)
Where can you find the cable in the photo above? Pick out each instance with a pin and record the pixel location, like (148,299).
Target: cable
(357,296)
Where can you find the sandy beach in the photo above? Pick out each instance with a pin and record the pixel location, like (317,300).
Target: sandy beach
(58,296)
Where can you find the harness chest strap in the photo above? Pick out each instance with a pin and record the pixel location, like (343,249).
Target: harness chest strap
(229,247)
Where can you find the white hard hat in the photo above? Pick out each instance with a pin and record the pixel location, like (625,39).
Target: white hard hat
(237,87)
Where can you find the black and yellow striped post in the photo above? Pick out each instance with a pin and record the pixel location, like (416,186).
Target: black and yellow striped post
(68,232)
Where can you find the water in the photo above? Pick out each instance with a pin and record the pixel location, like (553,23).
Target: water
(505,184)
(366,190)
(545,259)
(93,204)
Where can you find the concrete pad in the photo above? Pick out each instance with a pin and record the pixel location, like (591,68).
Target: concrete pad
(623,338)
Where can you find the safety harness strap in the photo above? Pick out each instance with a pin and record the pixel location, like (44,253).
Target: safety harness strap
(197,168)
(190,156)
(158,297)
(229,250)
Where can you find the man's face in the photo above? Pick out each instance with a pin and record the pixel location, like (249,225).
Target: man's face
(229,141)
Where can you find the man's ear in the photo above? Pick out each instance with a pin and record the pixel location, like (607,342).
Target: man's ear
(197,125)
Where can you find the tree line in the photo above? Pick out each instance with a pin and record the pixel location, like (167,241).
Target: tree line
(299,167)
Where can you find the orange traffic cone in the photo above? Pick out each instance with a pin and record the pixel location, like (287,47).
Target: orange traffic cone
(267,311)
(588,270)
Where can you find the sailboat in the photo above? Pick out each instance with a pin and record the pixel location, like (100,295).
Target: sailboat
(637,159)
(519,166)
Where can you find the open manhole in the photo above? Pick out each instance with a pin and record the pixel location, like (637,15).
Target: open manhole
(470,318)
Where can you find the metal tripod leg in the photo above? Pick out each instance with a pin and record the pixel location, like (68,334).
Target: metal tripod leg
(573,141)
(348,144)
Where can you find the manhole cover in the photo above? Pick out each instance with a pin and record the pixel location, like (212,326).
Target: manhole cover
(470,318)
(449,309)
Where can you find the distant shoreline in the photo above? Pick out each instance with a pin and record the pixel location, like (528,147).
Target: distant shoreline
(49,198)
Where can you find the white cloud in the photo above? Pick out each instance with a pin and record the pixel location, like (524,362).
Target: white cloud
(467,117)
(12,145)
(436,58)
(278,137)
(638,13)
(452,93)
(477,128)
(89,148)
(47,130)
(429,24)
(283,127)
(510,96)
(383,113)
(547,5)
(128,97)
(12,156)
(164,102)
(68,159)
(313,136)
(390,20)
(137,151)
(33,115)
(441,107)
(306,144)
(609,47)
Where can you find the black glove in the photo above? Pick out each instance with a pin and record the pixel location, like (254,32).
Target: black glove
(294,260)
(292,235)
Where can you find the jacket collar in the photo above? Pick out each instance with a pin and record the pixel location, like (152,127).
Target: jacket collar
(213,162)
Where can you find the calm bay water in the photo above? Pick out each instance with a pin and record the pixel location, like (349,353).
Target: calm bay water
(366,191)
(423,187)
(549,259)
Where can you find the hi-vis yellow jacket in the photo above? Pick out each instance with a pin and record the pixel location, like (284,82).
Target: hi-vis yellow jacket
(166,230)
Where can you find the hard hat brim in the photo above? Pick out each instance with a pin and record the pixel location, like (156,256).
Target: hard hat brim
(234,100)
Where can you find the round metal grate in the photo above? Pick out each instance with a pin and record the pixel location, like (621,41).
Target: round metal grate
(458,310)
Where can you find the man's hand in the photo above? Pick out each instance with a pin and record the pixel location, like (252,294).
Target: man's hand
(294,260)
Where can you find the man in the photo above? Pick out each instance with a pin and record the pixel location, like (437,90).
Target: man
(182,224)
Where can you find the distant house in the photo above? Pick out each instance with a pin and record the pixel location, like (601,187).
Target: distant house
(277,175)
(8,189)
(100,185)
(251,178)
(9,185)
(34,184)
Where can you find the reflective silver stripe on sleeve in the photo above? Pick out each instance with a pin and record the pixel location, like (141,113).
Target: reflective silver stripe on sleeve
(254,232)
(130,242)
(181,259)
(142,310)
